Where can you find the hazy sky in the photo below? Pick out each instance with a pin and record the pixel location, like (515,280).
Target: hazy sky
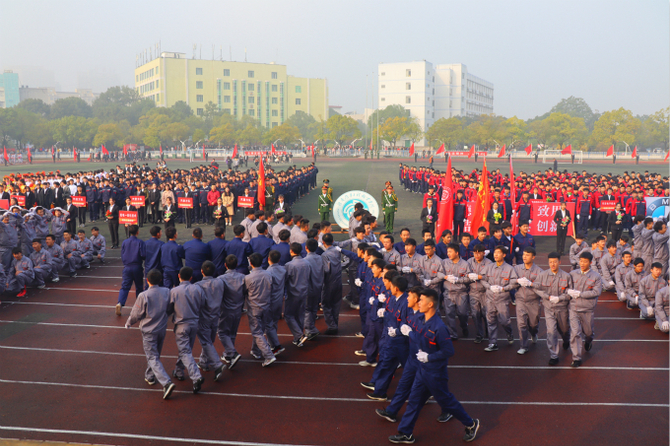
(612,53)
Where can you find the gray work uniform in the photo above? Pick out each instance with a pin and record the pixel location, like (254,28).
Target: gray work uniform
(597,256)
(9,239)
(660,242)
(75,261)
(497,304)
(582,309)
(297,235)
(297,289)
(247,222)
(575,251)
(478,294)
(42,266)
(150,310)
(555,314)
(186,300)
(208,323)
(99,246)
(647,289)
(662,306)
(331,297)
(392,256)
(608,264)
(259,289)
(316,278)
(277,228)
(57,258)
(455,297)
(20,275)
(620,249)
(415,277)
(647,247)
(527,304)
(620,273)
(632,281)
(278,274)
(638,243)
(231,310)
(433,270)
(86,248)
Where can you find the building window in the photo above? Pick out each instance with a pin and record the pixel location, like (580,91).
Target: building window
(408,86)
(408,72)
(251,112)
(274,75)
(198,85)
(297,101)
(251,87)
(137,78)
(274,88)
(199,98)
(251,99)
(298,89)
(275,113)
(226,85)
(198,71)
(383,86)
(250,74)
(408,99)
(226,99)
(158,97)
(383,73)
(199,111)
(226,111)
(226,72)
(274,124)
(156,83)
(274,100)
(383,99)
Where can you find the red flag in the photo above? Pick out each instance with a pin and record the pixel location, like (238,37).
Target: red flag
(567,150)
(502,152)
(445,211)
(203,152)
(529,149)
(160,148)
(610,151)
(74,152)
(440,150)
(312,148)
(261,184)
(411,150)
(512,197)
(125,150)
(634,154)
(272,149)
(235,151)
(104,150)
(30,155)
(472,151)
(483,202)
(667,155)
(5,156)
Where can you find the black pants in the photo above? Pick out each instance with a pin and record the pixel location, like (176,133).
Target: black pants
(155,214)
(560,238)
(72,227)
(604,222)
(114,231)
(82,216)
(188,217)
(617,232)
(458,229)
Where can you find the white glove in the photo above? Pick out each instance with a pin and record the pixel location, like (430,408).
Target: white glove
(530,221)
(392,332)
(406,269)
(381,298)
(127,325)
(487,252)
(338,249)
(576,293)
(496,288)
(636,299)
(650,311)
(405,329)
(358,282)
(611,283)
(665,326)
(577,216)
(380,312)
(426,282)
(422,356)
(451,278)
(371,301)
(383,250)
(589,217)
(473,276)
(554,299)
(517,249)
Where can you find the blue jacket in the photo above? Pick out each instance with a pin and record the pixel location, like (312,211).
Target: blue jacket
(153,260)
(218,248)
(262,245)
(285,251)
(171,256)
(196,252)
(521,242)
(133,252)
(241,250)
(434,339)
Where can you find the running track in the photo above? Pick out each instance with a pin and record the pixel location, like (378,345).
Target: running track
(69,371)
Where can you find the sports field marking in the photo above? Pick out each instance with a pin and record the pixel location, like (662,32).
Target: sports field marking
(317,398)
(353,364)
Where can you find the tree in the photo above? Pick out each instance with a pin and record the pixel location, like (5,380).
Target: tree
(70,107)
(286,132)
(150,129)
(249,135)
(566,129)
(75,131)
(176,131)
(514,131)
(447,131)
(37,106)
(304,123)
(109,135)
(486,129)
(198,135)
(180,111)
(392,111)
(577,108)
(616,126)
(342,128)
(223,134)
(655,129)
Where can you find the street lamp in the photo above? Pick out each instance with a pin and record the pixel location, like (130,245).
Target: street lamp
(627,147)
(352,142)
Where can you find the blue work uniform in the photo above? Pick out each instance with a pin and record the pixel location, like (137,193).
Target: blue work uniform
(522,242)
(284,249)
(231,310)
(297,287)
(278,275)
(196,252)
(171,262)
(133,253)
(315,289)
(217,247)
(395,348)
(208,323)
(262,245)
(259,291)
(242,251)
(153,260)
(186,301)
(373,338)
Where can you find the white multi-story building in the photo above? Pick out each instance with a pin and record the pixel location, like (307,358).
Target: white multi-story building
(433,92)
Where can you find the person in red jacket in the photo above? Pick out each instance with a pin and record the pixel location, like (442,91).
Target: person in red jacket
(212,196)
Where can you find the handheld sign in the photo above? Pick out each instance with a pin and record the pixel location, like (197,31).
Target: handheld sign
(185,202)
(128,217)
(79,201)
(245,202)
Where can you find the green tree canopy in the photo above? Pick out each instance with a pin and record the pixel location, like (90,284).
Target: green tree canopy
(616,126)
(73,106)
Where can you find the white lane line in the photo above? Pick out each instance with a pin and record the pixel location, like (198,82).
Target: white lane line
(317,398)
(82,289)
(136,436)
(99,277)
(354,364)
(62,324)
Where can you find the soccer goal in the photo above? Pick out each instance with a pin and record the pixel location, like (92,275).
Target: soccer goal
(548,157)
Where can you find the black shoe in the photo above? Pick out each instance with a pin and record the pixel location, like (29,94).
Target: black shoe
(375,397)
(444,417)
(151,382)
(174,375)
(587,346)
(167,390)
(331,332)
(491,348)
(312,336)
(278,350)
(369,385)
(510,339)
(566,345)
(402,438)
(471,432)
(553,361)
(576,363)
(197,385)
(218,372)
(478,339)
(466,332)
(386,415)
(233,361)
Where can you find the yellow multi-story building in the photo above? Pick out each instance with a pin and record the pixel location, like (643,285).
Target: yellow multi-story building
(263,91)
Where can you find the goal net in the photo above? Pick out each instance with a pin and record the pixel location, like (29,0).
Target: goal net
(548,157)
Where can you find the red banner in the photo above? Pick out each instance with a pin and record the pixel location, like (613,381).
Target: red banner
(607,205)
(20,199)
(245,202)
(259,153)
(137,200)
(464,153)
(542,216)
(127,217)
(185,202)
(4,204)
(469,208)
(79,201)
